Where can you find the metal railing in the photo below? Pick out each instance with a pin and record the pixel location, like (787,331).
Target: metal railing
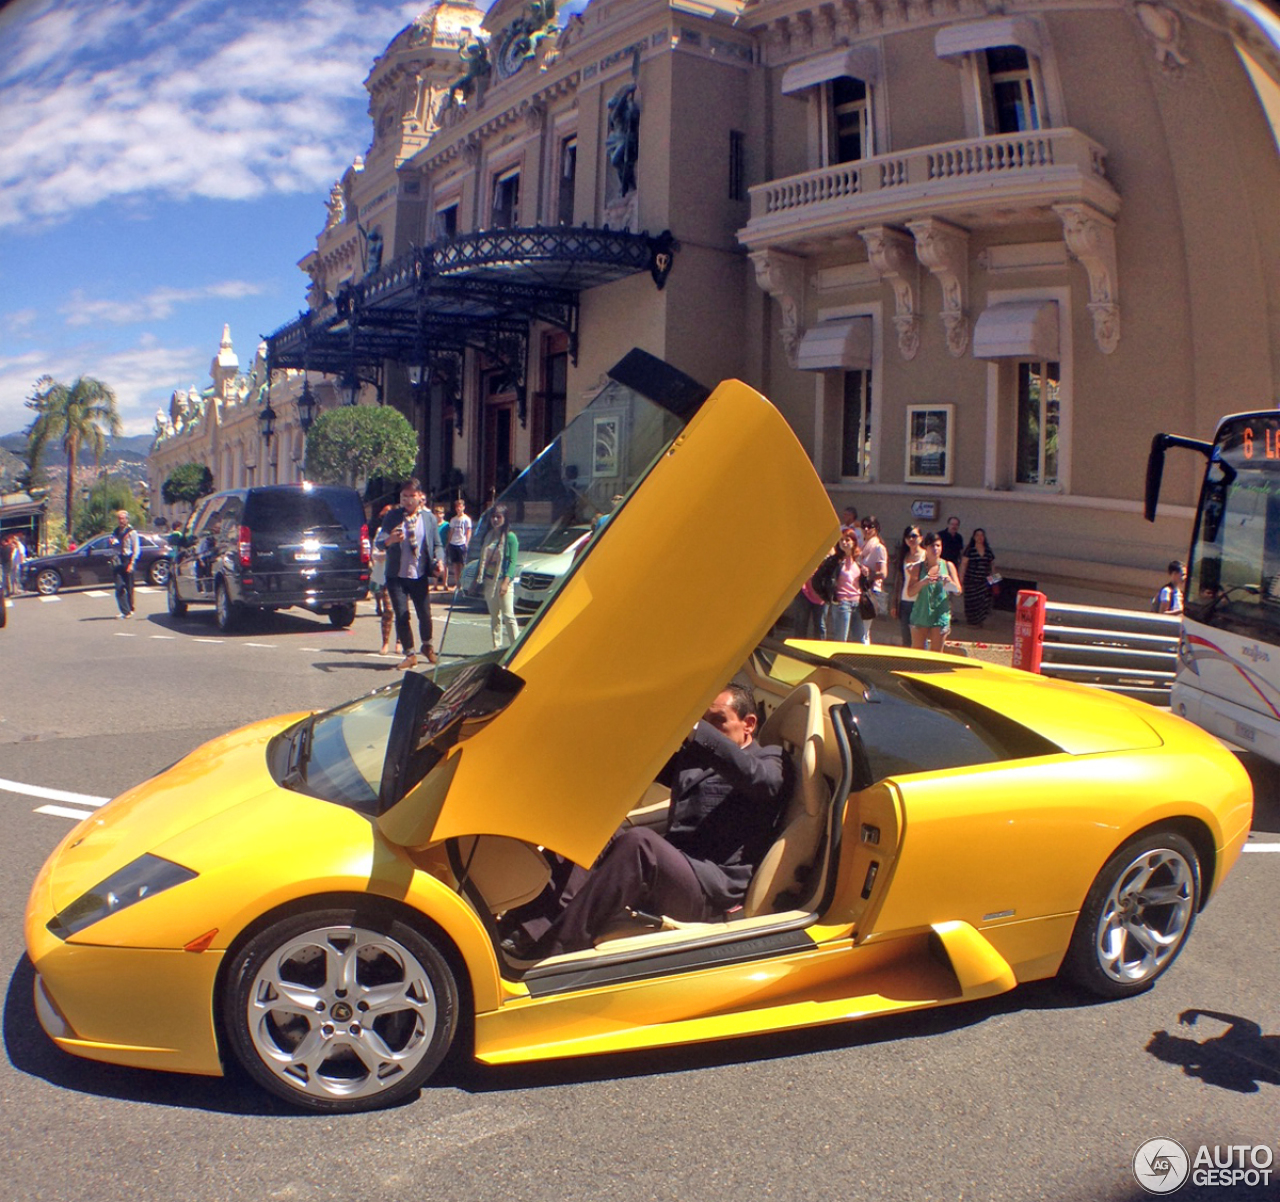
(1122,650)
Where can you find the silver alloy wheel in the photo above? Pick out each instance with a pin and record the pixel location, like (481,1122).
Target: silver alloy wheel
(158,573)
(48,581)
(341,1012)
(1146,916)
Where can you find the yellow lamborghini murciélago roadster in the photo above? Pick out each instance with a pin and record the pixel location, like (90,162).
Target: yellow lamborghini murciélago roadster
(317,896)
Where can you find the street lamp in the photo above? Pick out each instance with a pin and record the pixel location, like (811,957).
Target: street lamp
(267,420)
(306,406)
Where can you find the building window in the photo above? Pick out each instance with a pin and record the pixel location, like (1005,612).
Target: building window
(566,178)
(506,200)
(1039,413)
(555,378)
(855,429)
(1015,106)
(848,142)
(737,165)
(446,222)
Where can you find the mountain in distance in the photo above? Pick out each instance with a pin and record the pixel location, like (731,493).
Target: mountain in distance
(130,449)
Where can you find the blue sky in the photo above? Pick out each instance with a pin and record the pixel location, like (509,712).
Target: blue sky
(163,166)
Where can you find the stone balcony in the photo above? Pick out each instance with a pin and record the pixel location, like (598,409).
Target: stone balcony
(980,182)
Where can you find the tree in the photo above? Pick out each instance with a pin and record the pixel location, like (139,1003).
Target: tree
(75,417)
(187,483)
(98,514)
(348,445)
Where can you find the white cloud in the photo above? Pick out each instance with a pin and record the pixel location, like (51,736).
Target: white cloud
(157,304)
(120,99)
(142,377)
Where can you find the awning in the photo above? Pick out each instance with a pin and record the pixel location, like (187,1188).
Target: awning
(1019,330)
(984,35)
(836,345)
(860,62)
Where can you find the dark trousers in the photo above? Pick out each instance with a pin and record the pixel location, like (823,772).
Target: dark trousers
(124,589)
(403,591)
(638,869)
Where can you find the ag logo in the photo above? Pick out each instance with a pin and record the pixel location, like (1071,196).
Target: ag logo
(1161,1166)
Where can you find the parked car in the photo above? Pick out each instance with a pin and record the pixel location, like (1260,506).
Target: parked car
(91,564)
(544,564)
(273,547)
(316,897)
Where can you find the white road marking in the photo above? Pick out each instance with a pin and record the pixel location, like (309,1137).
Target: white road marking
(46,600)
(267,646)
(1262,847)
(64,812)
(164,636)
(97,592)
(125,634)
(84,799)
(206,640)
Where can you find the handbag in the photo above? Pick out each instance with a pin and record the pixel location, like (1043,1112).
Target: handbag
(866,607)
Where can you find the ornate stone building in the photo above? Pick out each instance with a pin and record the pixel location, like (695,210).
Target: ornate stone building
(978,253)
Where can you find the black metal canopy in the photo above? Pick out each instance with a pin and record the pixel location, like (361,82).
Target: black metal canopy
(478,290)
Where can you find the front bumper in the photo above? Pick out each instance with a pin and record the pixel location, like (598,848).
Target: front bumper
(140,1007)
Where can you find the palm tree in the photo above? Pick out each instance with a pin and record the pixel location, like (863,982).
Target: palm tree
(78,417)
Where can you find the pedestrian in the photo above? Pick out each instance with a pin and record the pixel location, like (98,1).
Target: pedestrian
(909,554)
(815,595)
(442,528)
(844,622)
(1170,598)
(125,548)
(929,585)
(496,575)
(459,539)
(953,543)
(8,575)
(378,586)
(849,522)
(978,564)
(414,554)
(874,560)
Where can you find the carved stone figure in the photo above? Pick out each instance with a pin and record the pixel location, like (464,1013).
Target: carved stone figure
(337,206)
(622,142)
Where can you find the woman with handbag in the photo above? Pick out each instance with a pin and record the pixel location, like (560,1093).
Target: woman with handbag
(929,585)
(844,620)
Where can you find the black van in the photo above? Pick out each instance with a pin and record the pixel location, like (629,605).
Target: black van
(273,547)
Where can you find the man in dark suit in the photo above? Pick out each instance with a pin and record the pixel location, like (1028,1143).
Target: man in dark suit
(727,792)
(414,554)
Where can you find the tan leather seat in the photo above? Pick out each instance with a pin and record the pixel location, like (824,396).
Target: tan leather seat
(786,876)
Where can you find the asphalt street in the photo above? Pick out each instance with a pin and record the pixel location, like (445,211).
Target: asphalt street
(1033,1095)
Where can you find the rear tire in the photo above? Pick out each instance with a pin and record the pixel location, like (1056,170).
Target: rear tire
(177,606)
(158,573)
(341,616)
(48,581)
(226,613)
(1136,917)
(340,1010)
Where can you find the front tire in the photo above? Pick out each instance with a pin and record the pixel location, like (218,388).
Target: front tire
(226,613)
(341,616)
(340,1010)
(1137,916)
(48,581)
(177,606)
(158,573)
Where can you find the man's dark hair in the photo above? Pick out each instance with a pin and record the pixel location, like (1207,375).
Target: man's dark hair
(1175,565)
(741,699)
(413,484)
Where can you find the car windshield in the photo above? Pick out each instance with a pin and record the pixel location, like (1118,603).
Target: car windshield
(338,755)
(294,509)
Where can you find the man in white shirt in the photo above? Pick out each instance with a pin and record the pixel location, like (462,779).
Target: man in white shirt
(459,541)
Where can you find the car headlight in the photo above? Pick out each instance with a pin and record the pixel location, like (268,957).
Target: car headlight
(145,877)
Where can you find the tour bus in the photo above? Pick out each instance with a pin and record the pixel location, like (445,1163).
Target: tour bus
(1228,677)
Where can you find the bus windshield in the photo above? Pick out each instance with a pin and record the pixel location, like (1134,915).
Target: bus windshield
(1233,579)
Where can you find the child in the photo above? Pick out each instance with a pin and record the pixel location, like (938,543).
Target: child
(1169,599)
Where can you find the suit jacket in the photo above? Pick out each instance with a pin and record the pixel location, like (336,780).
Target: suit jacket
(726,802)
(430,553)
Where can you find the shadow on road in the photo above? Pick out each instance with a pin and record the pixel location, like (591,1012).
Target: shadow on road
(1241,1058)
